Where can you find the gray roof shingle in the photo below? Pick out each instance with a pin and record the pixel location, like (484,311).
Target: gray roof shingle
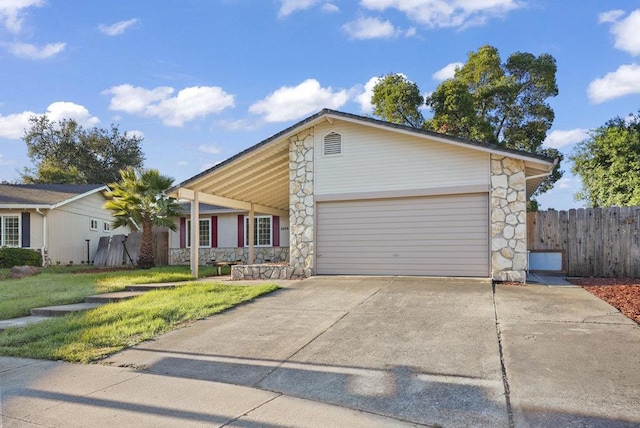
(42,194)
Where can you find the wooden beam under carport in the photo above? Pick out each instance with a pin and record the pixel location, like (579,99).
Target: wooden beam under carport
(196,197)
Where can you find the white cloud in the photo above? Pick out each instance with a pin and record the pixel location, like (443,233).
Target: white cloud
(447,72)
(27,50)
(5,162)
(117,28)
(411,32)
(293,102)
(560,138)
(330,8)
(135,133)
(610,16)
(66,110)
(287,7)
(187,105)
(364,98)
(624,81)
(11,13)
(625,31)
(182,163)
(369,28)
(13,126)
(211,149)
(447,13)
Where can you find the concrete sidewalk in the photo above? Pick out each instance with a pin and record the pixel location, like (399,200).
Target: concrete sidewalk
(358,351)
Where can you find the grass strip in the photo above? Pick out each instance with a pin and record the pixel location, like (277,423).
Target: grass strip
(56,286)
(88,336)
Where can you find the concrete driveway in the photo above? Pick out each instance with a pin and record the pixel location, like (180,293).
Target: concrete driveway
(359,351)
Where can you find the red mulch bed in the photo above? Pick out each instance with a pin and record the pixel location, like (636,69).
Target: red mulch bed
(622,293)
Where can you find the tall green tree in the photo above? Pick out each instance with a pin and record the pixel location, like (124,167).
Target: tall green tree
(396,99)
(608,162)
(486,100)
(137,200)
(65,152)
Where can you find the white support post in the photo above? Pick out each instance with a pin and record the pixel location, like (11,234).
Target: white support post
(195,234)
(252,232)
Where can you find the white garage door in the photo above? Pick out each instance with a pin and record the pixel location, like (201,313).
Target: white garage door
(435,235)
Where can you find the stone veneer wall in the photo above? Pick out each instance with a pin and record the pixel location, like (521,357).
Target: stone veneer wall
(182,256)
(301,204)
(508,219)
(265,271)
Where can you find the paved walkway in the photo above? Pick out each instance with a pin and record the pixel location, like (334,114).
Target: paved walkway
(355,351)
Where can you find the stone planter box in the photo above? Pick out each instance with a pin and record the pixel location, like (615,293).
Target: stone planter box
(268,271)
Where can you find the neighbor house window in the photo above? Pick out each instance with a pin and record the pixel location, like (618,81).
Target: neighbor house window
(262,231)
(204,232)
(94,224)
(9,231)
(106,226)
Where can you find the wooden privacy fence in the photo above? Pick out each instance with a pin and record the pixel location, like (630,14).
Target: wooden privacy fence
(600,242)
(120,250)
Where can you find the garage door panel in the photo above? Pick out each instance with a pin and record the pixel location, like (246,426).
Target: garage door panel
(441,235)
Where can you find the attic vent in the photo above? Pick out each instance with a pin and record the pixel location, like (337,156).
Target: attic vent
(332,144)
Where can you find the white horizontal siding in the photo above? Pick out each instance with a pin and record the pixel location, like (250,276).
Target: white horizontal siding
(439,235)
(375,160)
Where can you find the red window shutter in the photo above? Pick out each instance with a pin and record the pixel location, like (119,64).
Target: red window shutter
(214,231)
(240,230)
(275,231)
(183,232)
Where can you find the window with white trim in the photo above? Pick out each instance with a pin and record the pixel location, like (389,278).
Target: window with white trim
(106,227)
(261,231)
(204,232)
(93,225)
(332,144)
(10,231)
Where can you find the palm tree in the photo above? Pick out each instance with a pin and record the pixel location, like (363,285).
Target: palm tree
(138,200)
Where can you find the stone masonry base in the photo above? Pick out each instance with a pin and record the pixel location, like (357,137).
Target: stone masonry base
(268,271)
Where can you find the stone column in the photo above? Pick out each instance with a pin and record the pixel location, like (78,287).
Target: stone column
(301,204)
(508,219)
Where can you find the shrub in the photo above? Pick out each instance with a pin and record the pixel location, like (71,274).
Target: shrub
(10,257)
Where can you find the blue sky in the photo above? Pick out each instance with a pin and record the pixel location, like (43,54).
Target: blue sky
(204,79)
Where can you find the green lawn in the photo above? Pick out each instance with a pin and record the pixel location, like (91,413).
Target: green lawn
(59,286)
(91,335)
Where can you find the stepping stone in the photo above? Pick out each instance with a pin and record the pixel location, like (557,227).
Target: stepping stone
(112,297)
(58,311)
(149,287)
(20,322)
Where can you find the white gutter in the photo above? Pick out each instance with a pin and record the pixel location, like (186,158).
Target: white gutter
(43,250)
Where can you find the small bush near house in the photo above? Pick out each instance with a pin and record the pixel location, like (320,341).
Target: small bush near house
(10,257)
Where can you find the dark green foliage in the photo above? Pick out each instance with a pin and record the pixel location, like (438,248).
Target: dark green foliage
(398,100)
(66,153)
(608,163)
(10,257)
(138,200)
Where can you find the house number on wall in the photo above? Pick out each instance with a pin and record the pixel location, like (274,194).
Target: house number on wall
(284,228)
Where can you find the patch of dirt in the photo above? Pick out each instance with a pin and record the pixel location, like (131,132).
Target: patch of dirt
(622,293)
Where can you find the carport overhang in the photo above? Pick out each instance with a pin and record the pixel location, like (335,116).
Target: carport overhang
(256,181)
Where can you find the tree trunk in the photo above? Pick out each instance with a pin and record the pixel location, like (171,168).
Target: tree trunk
(146,260)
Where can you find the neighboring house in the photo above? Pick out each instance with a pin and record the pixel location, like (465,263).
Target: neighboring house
(364,196)
(55,219)
(223,236)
